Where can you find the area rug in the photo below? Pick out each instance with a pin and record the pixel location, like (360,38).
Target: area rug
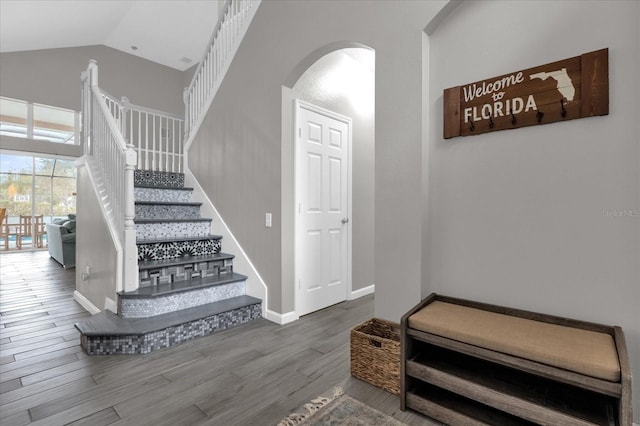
(338,409)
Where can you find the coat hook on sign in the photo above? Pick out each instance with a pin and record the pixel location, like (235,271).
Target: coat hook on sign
(539,116)
(491,123)
(513,118)
(564,111)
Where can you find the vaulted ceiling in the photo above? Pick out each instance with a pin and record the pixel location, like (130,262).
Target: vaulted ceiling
(170,32)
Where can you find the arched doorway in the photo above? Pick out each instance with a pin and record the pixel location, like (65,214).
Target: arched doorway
(339,78)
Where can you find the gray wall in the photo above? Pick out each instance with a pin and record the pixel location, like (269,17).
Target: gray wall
(237,154)
(314,86)
(527,217)
(52,77)
(94,247)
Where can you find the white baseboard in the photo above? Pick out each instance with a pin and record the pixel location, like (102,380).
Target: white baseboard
(362,292)
(255,285)
(281,318)
(85,303)
(292,316)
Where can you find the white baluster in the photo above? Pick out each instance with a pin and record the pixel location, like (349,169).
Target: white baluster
(165,135)
(146,141)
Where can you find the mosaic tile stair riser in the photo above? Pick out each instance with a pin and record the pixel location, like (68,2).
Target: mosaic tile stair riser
(162,195)
(185,272)
(147,211)
(171,230)
(145,308)
(146,343)
(175,249)
(158,179)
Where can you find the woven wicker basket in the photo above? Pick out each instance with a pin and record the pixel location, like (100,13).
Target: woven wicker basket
(375,354)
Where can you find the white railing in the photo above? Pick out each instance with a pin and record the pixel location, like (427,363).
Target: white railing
(113,106)
(156,136)
(118,136)
(224,42)
(114,161)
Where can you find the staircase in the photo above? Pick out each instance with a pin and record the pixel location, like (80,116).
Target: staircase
(172,282)
(187,286)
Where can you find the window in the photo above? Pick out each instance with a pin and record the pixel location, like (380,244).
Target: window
(34,186)
(20,119)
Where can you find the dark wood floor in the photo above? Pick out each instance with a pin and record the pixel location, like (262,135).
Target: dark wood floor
(251,375)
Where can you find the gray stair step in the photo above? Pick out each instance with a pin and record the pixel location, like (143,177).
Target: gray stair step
(179,188)
(166,203)
(151,221)
(178,246)
(164,298)
(154,300)
(182,286)
(106,333)
(167,263)
(179,239)
(107,323)
(173,270)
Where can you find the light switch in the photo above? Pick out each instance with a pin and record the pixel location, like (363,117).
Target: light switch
(267,220)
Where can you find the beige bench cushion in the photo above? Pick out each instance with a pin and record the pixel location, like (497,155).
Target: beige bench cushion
(587,352)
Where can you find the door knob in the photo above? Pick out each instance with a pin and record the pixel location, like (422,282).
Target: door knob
(345,220)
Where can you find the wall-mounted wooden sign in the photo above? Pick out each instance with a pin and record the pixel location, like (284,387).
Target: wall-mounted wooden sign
(572,88)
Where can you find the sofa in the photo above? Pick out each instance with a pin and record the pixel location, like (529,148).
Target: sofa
(61,237)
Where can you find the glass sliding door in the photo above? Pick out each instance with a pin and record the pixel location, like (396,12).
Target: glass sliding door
(34,190)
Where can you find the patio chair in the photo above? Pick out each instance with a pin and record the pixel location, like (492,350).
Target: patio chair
(31,227)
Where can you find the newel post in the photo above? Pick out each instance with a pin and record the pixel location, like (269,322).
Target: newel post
(93,72)
(89,79)
(130,248)
(125,106)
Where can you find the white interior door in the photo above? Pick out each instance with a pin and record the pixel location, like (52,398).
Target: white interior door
(323,178)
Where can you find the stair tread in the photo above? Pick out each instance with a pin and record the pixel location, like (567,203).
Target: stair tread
(179,188)
(163,263)
(167,203)
(182,286)
(168,220)
(182,238)
(106,323)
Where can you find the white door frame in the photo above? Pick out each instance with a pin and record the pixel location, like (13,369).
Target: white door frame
(298,105)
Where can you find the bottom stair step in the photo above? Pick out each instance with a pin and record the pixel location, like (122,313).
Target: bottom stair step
(166,298)
(108,334)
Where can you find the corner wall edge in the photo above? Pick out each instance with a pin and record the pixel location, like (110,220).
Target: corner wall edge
(85,303)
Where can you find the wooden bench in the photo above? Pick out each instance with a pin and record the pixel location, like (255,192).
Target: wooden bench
(470,363)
